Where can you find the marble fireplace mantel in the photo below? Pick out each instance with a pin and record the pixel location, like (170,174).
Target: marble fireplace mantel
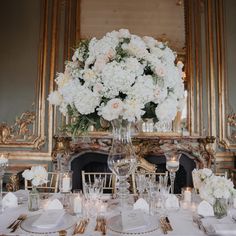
(200,149)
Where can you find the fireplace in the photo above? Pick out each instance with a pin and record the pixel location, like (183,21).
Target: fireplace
(90,154)
(97,162)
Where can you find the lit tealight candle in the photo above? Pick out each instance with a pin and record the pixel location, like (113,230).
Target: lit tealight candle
(187,195)
(173,163)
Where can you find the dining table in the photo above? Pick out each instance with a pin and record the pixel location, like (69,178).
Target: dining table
(181,222)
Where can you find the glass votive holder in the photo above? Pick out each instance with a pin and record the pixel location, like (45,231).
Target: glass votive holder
(186,194)
(65,183)
(76,203)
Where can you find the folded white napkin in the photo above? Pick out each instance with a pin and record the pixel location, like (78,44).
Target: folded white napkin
(141,204)
(205,209)
(133,220)
(54,204)
(172,202)
(9,200)
(49,219)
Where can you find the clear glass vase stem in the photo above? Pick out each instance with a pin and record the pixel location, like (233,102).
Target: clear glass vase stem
(172,181)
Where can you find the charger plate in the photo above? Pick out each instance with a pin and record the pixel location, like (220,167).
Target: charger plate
(67,222)
(115,224)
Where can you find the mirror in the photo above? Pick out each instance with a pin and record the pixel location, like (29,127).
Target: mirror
(162,19)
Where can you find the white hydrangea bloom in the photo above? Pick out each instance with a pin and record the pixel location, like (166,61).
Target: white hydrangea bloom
(136,47)
(166,111)
(116,79)
(55,98)
(143,89)
(159,93)
(133,110)
(124,33)
(70,90)
(86,101)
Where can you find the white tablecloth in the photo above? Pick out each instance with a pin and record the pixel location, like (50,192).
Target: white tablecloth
(181,221)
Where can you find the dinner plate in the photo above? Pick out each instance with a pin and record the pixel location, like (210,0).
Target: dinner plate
(115,225)
(66,223)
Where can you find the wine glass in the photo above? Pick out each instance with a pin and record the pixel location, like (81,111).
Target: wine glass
(141,183)
(172,165)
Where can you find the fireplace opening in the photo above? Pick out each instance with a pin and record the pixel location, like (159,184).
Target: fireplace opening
(97,162)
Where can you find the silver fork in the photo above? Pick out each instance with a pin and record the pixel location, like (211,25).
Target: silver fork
(14,222)
(15,227)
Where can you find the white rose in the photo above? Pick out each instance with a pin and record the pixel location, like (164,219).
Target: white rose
(112,110)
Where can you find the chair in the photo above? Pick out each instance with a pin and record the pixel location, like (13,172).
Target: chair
(50,186)
(152,175)
(109,180)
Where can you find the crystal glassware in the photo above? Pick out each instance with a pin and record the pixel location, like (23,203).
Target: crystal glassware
(172,165)
(122,159)
(141,183)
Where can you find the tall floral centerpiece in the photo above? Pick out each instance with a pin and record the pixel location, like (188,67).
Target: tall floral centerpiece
(120,78)
(38,176)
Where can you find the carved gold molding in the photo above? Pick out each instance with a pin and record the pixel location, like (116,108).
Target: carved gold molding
(51,12)
(21,130)
(200,149)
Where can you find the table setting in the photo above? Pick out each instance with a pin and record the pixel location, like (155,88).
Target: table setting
(153,211)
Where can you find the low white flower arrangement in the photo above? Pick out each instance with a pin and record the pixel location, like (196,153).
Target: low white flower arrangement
(37,175)
(200,176)
(216,187)
(120,75)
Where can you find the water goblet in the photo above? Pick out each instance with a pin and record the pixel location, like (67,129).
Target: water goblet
(141,184)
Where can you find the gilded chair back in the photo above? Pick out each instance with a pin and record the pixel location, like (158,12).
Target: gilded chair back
(108,183)
(50,186)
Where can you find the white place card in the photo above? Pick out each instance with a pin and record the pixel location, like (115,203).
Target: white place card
(133,220)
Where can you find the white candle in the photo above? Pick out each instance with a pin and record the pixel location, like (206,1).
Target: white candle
(77,204)
(66,184)
(187,195)
(173,163)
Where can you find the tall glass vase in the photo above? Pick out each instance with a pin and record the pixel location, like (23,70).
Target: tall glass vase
(121,159)
(33,201)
